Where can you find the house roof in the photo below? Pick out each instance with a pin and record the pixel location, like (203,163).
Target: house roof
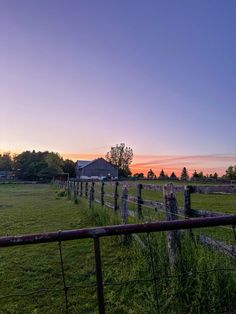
(82,163)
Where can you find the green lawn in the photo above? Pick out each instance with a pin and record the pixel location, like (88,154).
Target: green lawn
(224,203)
(31,277)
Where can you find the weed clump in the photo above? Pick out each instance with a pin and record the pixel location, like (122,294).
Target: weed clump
(61,193)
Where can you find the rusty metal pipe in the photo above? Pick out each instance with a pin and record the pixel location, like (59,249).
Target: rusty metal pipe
(117,230)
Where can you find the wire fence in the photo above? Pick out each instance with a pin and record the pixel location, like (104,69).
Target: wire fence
(131,199)
(152,279)
(121,269)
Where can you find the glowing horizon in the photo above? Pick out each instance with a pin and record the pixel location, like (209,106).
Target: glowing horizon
(142,163)
(169,163)
(83,76)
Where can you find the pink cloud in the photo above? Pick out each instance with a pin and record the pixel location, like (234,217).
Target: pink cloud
(206,163)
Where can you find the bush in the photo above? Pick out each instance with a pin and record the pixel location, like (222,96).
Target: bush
(61,193)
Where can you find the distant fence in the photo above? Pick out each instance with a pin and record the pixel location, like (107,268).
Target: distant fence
(168,207)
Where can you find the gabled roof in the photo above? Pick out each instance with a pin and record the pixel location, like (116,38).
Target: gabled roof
(82,163)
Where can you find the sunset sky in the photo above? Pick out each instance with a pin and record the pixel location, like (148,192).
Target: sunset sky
(77,77)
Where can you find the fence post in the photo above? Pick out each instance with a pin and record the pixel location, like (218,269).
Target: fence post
(75,192)
(68,190)
(173,237)
(93,190)
(124,206)
(91,195)
(139,201)
(116,197)
(81,189)
(187,208)
(77,188)
(99,279)
(65,186)
(71,189)
(86,189)
(187,201)
(102,193)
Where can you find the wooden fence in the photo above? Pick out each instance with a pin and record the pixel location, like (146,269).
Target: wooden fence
(168,207)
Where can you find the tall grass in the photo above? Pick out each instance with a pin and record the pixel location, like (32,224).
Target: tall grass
(202,281)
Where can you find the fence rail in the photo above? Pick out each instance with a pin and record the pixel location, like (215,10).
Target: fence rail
(187,191)
(169,206)
(115,230)
(96,233)
(120,205)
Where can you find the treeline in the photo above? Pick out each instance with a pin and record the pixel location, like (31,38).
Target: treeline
(35,166)
(230,174)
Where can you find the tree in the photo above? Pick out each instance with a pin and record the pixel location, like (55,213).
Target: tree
(162,175)
(6,163)
(54,166)
(139,175)
(40,165)
(121,157)
(230,173)
(201,175)
(173,176)
(69,167)
(29,164)
(151,174)
(197,176)
(184,174)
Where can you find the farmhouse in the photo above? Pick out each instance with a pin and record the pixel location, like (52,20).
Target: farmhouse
(97,169)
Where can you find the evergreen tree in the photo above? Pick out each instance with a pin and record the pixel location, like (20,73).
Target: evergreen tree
(195,175)
(173,176)
(198,176)
(162,175)
(151,174)
(184,175)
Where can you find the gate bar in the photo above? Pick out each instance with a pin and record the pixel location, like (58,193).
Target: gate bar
(100,295)
(117,230)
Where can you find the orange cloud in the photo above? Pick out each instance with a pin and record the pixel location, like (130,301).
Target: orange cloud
(206,163)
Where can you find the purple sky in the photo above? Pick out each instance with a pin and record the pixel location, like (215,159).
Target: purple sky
(80,76)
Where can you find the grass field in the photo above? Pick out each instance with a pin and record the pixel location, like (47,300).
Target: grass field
(225,203)
(32,274)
